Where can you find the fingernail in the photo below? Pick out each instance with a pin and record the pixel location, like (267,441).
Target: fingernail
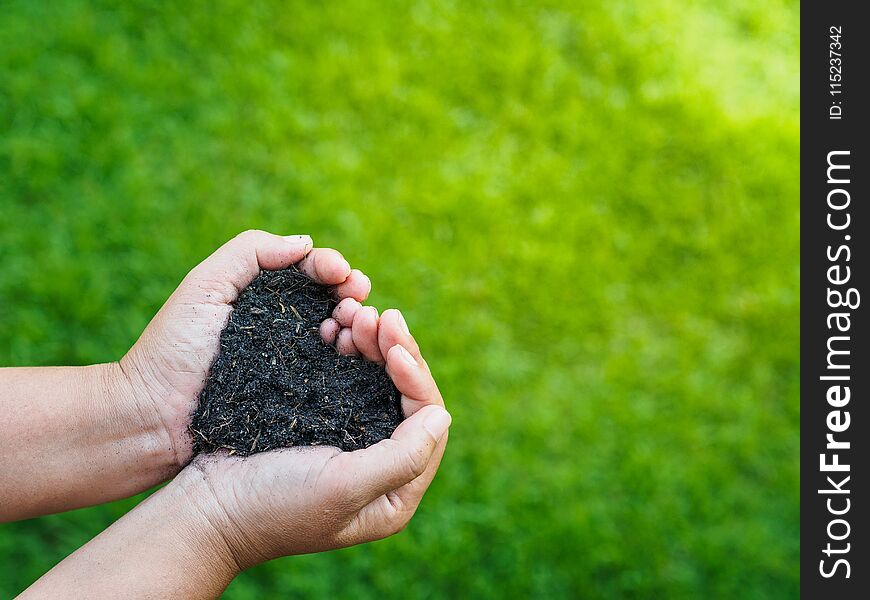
(346,269)
(300,240)
(402,322)
(406,356)
(437,422)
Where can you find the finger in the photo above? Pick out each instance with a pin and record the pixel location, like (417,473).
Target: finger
(392,330)
(413,380)
(365,334)
(344,343)
(234,265)
(329,330)
(345,311)
(411,493)
(326,266)
(391,463)
(357,285)
(389,513)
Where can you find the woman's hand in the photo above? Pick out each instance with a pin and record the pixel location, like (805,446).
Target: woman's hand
(304,500)
(222,513)
(165,371)
(78,436)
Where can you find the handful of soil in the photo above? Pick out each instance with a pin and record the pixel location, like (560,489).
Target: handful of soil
(276,384)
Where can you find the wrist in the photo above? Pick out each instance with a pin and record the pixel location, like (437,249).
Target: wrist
(136,419)
(166,547)
(205,527)
(74,437)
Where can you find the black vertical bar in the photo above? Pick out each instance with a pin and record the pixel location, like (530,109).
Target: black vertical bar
(834,223)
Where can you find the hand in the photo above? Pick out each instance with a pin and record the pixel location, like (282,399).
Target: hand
(221,514)
(166,369)
(302,500)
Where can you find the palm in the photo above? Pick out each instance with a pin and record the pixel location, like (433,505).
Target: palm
(300,500)
(171,360)
(311,499)
(275,495)
(174,356)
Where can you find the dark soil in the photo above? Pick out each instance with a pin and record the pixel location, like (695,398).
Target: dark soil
(276,384)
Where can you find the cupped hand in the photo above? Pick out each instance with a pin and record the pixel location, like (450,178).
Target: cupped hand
(166,369)
(302,500)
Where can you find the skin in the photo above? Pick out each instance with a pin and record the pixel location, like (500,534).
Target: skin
(80,436)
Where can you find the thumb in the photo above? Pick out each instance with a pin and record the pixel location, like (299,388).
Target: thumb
(238,262)
(392,463)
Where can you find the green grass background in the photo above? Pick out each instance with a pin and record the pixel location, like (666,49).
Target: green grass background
(588,212)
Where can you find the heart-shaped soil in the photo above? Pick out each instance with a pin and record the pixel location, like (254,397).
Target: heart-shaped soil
(276,384)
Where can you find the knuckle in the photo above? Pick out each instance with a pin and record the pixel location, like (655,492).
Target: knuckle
(250,237)
(387,528)
(415,464)
(399,522)
(399,526)
(309,264)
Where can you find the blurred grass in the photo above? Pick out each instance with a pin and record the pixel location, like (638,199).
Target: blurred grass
(588,212)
